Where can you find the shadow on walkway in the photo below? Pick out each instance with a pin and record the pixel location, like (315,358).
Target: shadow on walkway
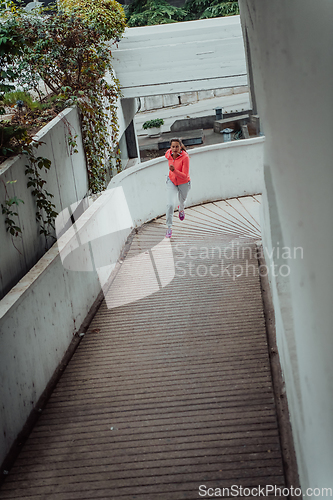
(170,389)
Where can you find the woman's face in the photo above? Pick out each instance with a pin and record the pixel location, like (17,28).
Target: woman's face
(175,147)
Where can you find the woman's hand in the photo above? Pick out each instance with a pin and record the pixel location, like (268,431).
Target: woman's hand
(172,168)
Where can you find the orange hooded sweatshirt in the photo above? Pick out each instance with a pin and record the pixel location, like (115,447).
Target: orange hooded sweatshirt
(182,165)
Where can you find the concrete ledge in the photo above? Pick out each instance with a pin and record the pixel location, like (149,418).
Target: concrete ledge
(168,100)
(218,171)
(40,315)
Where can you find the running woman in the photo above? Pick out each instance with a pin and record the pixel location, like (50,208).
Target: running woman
(178,181)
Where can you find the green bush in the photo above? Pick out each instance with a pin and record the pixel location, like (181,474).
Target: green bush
(105,16)
(153,123)
(11,98)
(151,12)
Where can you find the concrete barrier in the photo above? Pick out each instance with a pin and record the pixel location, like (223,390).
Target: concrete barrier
(219,171)
(66,180)
(163,101)
(40,315)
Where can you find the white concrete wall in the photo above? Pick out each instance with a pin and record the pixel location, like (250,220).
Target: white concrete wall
(181,57)
(167,100)
(219,171)
(291,49)
(39,316)
(66,180)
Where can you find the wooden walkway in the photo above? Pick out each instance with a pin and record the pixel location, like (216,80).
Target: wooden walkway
(170,389)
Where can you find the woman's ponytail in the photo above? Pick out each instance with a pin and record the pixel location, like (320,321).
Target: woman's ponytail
(180,142)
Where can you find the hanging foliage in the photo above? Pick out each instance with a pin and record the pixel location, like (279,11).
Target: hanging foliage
(107,17)
(151,12)
(148,12)
(69,51)
(204,9)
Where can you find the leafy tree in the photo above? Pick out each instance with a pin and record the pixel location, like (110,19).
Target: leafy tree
(11,42)
(107,17)
(72,57)
(64,51)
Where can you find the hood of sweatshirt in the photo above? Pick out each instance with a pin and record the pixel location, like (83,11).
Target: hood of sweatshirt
(168,154)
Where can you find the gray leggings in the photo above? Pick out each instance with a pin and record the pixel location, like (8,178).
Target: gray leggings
(172,190)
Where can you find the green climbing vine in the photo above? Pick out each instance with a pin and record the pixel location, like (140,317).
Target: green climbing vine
(11,216)
(46,210)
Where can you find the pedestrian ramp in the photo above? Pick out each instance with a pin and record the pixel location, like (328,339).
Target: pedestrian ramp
(169,394)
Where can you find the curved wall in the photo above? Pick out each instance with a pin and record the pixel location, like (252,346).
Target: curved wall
(219,171)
